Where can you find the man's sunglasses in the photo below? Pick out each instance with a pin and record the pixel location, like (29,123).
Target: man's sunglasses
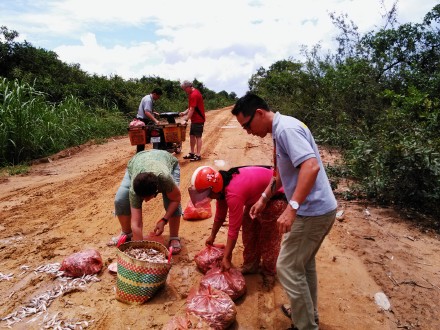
(247,124)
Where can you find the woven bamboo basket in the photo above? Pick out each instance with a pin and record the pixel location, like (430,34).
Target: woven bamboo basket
(138,280)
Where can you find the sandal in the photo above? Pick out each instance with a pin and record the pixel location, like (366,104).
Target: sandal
(118,240)
(285,308)
(196,158)
(189,156)
(177,247)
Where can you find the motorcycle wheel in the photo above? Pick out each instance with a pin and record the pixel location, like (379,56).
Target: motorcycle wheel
(178,148)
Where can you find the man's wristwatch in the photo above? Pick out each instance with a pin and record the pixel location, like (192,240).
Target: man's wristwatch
(294,205)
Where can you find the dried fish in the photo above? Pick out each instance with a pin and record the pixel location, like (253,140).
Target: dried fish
(39,304)
(6,277)
(53,269)
(55,322)
(150,255)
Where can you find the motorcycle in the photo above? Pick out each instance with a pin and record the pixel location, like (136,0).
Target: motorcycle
(167,136)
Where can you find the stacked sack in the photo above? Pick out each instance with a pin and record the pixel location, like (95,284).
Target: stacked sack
(211,304)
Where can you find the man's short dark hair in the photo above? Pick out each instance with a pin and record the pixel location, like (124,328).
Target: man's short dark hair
(157,91)
(146,184)
(248,104)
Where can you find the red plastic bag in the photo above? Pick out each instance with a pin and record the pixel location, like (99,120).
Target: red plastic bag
(87,262)
(231,282)
(209,256)
(199,211)
(212,305)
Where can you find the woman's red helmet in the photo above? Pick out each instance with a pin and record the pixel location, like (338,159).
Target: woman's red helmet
(204,180)
(206,177)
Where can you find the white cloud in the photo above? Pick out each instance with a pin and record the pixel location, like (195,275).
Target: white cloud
(219,43)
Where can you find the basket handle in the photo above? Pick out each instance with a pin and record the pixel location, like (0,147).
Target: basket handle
(170,254)
(121,240)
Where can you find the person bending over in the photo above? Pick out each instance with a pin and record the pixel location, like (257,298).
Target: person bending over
(148,174)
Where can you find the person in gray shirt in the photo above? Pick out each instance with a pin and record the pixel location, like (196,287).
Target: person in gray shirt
(145,111)
(312,211)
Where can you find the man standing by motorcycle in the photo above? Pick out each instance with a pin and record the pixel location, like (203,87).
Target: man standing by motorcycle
(195,112)
(146,113)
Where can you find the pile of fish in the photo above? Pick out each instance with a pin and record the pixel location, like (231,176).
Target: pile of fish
(150,255)
(38,305)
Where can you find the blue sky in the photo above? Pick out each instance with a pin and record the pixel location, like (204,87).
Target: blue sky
(221,43)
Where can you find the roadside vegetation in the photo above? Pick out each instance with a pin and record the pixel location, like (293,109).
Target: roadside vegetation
(47,105)
(375,98)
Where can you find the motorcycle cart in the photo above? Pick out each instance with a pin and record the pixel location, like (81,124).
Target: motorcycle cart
(171,134)
(167,135)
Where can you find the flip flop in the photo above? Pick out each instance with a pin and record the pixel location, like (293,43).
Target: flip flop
(118,240)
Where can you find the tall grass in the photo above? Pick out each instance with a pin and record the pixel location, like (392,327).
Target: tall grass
(31,127)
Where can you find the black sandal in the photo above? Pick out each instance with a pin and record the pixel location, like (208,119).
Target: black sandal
(189,156)
(196,158)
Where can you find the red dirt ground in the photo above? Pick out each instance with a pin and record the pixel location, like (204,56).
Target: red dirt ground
(65,205)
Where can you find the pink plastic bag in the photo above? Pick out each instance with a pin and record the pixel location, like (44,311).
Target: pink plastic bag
(231,282)
(212,305)
(199,211)
(136,123)
(209,256)
(87,262)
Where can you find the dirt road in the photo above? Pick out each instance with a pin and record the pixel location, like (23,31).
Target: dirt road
(65,206)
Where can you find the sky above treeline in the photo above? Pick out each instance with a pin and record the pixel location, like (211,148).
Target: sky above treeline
(220,43)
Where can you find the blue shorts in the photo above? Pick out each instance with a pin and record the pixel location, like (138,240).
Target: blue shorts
(122,200)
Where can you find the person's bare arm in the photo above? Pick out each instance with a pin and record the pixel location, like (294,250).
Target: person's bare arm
(175,197)
(215,228)
(136,223)
(227,258)
(272,187)
(190,113)
(151,116)
(306,179)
